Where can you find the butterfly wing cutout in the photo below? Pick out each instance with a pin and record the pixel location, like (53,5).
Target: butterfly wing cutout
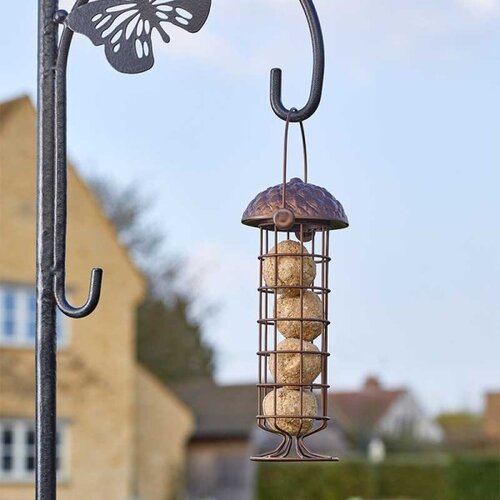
(125,27)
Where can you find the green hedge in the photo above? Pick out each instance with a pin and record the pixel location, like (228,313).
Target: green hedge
(413,480)
(424,479)
(475,477)
(313,481)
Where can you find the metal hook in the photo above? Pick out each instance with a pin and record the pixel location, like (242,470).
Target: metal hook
(318,72)
(92,299)
(60,211)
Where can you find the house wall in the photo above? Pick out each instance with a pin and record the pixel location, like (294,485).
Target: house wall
(492,416)
(164,427)
(96,396)
(406,417)
(220,469)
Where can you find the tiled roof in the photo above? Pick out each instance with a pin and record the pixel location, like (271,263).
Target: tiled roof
(221,412)
(228,412)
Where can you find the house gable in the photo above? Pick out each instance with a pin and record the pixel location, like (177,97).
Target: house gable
(97,369)
(18,210)
(375,410)
(405,417)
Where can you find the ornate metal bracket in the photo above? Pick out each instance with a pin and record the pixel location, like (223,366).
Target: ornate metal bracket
(312,104)
(125,27)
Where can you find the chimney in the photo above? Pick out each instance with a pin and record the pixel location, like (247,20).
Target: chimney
(372,383)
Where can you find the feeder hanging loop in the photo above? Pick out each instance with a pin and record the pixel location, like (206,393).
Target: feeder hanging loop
(285,153)
(318,72)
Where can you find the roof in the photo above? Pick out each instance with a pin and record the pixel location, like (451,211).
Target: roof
(228,411)
(221,412)
(7,107)
(362,410)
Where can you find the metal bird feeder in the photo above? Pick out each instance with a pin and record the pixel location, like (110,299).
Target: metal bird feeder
(295,219)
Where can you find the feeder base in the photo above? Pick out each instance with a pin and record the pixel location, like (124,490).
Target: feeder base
(294,459)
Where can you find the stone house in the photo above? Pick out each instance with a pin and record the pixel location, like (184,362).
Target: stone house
(121,434)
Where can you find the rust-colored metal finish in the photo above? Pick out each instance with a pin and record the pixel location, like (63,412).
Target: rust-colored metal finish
(306,201)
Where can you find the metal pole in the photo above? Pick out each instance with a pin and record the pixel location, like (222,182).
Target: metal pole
(45,346)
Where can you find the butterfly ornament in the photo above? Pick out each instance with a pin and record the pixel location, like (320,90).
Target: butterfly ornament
(125,27)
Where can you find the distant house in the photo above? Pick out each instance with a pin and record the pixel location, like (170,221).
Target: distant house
(121,434)
(226,436)
(375,412)
(491,421)
(218,465)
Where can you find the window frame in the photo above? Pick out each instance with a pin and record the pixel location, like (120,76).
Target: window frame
(24,317)
(20,429)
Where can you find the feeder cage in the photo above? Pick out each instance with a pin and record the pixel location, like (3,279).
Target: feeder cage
(294,219)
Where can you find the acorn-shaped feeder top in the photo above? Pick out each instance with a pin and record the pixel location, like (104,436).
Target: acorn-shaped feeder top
(308,203)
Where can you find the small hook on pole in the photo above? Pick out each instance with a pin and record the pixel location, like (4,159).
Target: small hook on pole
(92,299)
(318,72)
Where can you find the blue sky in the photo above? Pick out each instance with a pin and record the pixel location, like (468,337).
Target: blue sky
(407,137)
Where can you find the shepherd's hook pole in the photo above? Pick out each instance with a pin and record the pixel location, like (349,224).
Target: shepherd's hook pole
(45,347)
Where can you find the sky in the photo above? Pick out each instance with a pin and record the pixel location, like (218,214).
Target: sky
(407,138)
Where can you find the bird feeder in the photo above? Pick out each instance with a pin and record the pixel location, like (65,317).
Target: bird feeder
(294,219)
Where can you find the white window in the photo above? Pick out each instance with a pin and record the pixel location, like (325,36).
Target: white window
(17,450)
(18,317)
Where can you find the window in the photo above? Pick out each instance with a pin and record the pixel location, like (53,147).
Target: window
(7,449)
(17,449)
(29,442)
(18,317)
(31,298)
(9,305)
